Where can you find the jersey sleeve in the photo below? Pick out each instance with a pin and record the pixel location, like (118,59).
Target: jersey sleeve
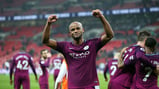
(97,43)
(61,46)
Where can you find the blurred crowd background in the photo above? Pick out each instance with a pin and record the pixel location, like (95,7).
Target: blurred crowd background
(19,29)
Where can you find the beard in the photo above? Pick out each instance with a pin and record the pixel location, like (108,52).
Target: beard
(45,57)
(77,37)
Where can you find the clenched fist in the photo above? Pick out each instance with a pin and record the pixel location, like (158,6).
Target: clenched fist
(97,13)
(52,19)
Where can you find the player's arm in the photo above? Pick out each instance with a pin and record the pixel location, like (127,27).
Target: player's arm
(46,32)
(105,72)
(109,34)
(33,68)
(120,63)
(11,71)
(120,59)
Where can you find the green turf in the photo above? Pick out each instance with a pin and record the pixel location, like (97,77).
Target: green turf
(4,82)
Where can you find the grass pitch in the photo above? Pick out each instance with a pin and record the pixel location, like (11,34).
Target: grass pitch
(5,82)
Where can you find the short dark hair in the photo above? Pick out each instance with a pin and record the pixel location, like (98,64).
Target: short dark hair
(151,43)
(43,50)
(142,35)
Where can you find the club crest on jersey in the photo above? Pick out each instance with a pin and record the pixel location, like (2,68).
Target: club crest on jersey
(142,49)
(86,47)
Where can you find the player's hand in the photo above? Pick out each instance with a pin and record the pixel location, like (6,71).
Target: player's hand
(97,13)
(36,78)
(11,82)
(106,79)
(48,54)
(52,18)
(122,53)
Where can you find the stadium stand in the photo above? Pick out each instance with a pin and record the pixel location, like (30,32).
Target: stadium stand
(18,34)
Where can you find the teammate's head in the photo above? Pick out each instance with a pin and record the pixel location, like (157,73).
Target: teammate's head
(23,49)
(76,30)
(44,53)
(143,35)
(150,44)
(116,55)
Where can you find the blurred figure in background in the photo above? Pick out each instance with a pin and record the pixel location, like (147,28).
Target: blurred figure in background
(57,61)
(146,75)
(62,78)
(44,64)
(21,62)
(124,76)
(112,67)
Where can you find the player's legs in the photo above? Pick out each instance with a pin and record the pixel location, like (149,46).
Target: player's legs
(17,81)
(44,86)
(26,82)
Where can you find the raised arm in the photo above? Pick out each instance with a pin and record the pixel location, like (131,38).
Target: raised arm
(109,34)
(46,32)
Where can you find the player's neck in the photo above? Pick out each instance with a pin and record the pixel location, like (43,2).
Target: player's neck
(78,42)
(140,43)
(148,51)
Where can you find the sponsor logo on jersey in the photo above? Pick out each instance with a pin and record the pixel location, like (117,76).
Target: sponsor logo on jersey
(80,55)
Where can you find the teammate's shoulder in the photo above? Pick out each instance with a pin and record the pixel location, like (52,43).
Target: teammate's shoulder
(138,47)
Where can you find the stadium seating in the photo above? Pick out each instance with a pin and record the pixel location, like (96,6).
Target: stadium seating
(123,25)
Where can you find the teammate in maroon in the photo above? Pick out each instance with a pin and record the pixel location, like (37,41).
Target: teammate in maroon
(123,78)
(145,76)
(44,64)
(57,62)
(112,67)
(132,55)
(21,62)
(80,54)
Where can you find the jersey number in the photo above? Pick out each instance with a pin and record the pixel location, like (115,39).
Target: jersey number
(148,73)
(113,68)
(21,63)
